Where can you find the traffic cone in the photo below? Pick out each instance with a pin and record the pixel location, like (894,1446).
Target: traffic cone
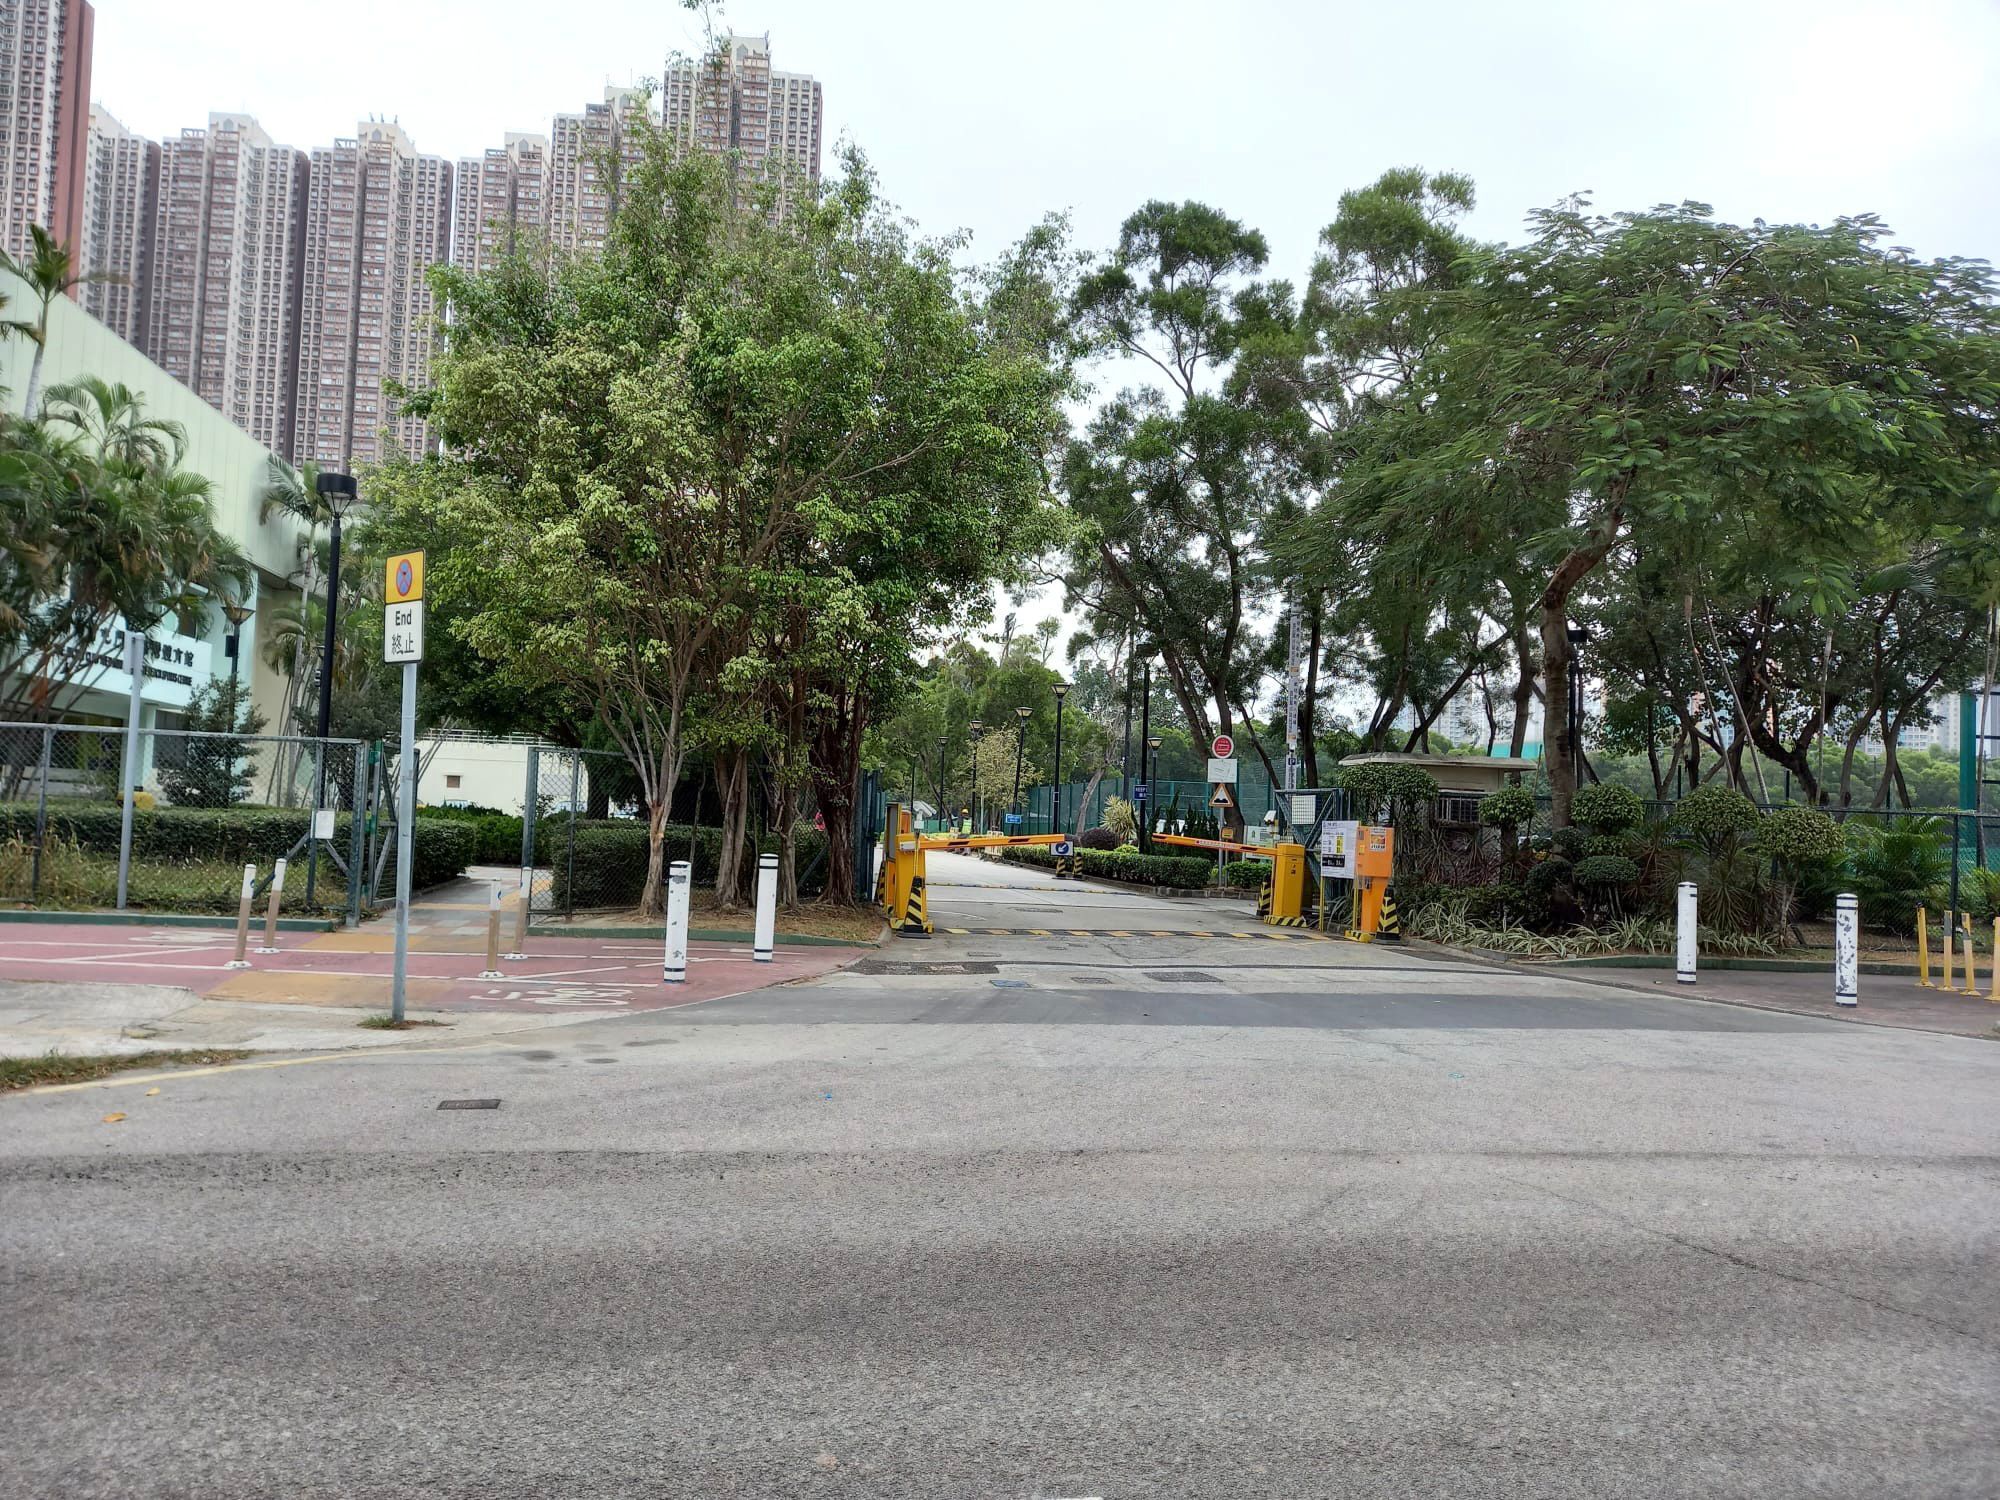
(916,918)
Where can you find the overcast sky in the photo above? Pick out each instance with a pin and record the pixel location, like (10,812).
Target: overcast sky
(983,117)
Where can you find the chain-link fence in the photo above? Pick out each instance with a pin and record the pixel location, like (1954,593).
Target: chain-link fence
(203,806)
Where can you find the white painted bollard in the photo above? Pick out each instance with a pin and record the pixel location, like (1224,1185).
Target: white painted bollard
(492,970)
(271,912)
(1846,950)
(766,936)
(243,918)
(674,970)
(1687,933)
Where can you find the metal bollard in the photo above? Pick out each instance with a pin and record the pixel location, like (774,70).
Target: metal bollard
(492,969)
(271,912)
(1924,950)
(1846,950)
(674,966)
(523,899)
(243,919)
(766,935)
(1687,934)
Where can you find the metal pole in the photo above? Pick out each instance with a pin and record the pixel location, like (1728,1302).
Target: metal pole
(575,791)
(1145,758)
(1056,790)
(1686,935)
(129,774)
(1846,950)
(674,969)
(41,814)
(1292,690)
(355,859)
(1020,745)
(766,933)
(406,816)
(271,914)
(312,826)
(1125,754)
(326,648)
(243,919)
(529,802)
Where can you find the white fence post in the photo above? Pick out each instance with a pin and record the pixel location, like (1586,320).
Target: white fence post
(674,970)
(1846,950)
(243,918)
(766,935)
(271,914)
(1687,934)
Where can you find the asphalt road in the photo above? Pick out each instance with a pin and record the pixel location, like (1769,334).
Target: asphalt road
(1380,1229)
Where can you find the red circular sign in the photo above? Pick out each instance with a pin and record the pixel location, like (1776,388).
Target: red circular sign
(404,577)
(1223,748)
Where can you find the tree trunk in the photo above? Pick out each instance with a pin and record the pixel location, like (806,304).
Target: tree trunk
(35,375)
(835,765)
(732,786)
(652,899)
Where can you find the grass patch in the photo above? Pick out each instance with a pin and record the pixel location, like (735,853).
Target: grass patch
(58,1067)
(390,1023)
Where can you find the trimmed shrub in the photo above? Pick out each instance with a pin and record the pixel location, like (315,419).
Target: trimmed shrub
(1376,785)
(1245,874)
(1099,838)
(496,835)
(1570,843)
(1510,807)
(1800,836)
(1712,816)
(1606,872)
(609,861)
(1170,871)
(1607,807)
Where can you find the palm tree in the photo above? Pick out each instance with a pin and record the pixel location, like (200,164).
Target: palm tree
(110,417)
(49,275)
(295,493)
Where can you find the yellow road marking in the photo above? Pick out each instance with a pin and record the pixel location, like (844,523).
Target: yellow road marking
(1081,932)
(1039,932)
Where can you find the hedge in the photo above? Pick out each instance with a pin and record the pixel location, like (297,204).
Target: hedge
(497,835)
(1246,874)
(610,858)
(1176,872)
(236,835)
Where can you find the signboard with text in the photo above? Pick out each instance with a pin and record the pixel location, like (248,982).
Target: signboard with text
(1221,770)
(1337,841)
(403,632)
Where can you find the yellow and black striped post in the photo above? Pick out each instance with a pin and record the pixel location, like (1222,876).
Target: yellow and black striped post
(916,920)
(1390,927)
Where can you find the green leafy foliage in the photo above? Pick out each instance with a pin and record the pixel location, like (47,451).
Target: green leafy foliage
(1246,874)
(1510,807)
(1172,871)
(1100,838)
(1606,808)
(1376,788)
(1898,869)
(1713,816)
(1798,837)
(1607,872)
(213,769)
(608,867)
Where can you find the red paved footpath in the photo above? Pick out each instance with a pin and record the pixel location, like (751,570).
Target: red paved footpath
(353,968)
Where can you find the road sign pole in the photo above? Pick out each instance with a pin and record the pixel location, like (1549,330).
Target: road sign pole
(406,817)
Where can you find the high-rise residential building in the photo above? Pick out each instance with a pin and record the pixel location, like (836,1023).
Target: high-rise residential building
(585,153)
(733,101)
(501,200)
(378,219)
(228,253)
(121,186)
(44,118)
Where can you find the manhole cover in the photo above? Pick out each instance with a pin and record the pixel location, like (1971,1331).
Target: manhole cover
(471,1103)
(1183,976)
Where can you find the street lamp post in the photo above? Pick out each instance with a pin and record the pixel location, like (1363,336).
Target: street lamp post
(972,732)
(1020,744)
(1061,690)
(232,647)
(1579,637)
(1152,767)
(338,492)
(943,741)
(1145,651)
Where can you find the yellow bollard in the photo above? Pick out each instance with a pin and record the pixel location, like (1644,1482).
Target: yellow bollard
(271,915)
(1923,950)
(1971,956)
(1995,996)
(523,899)
(493,935)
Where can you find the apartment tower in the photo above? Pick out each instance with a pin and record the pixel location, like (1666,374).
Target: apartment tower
(228,252)
(501,201)
(732,101)
(121,187)
(586,152)
(44,119)
(378,219)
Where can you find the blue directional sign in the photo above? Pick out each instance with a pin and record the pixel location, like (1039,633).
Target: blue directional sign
(1065,849)
(1138,791)
(1012,819)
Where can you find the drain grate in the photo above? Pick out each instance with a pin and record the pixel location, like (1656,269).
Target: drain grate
(891,966)
(1089,979)
(468,1104)
(1183,976)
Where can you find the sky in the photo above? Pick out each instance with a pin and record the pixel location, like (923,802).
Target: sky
(984,117)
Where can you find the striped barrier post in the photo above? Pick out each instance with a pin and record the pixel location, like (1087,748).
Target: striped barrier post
(271,912)
(243,918)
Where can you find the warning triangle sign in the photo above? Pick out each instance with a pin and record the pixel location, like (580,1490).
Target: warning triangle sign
(1221,797)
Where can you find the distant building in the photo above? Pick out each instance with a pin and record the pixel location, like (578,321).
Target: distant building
(121,188)
(45,50)
(378,218)
(224,282)
(500,200)
(733,101)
